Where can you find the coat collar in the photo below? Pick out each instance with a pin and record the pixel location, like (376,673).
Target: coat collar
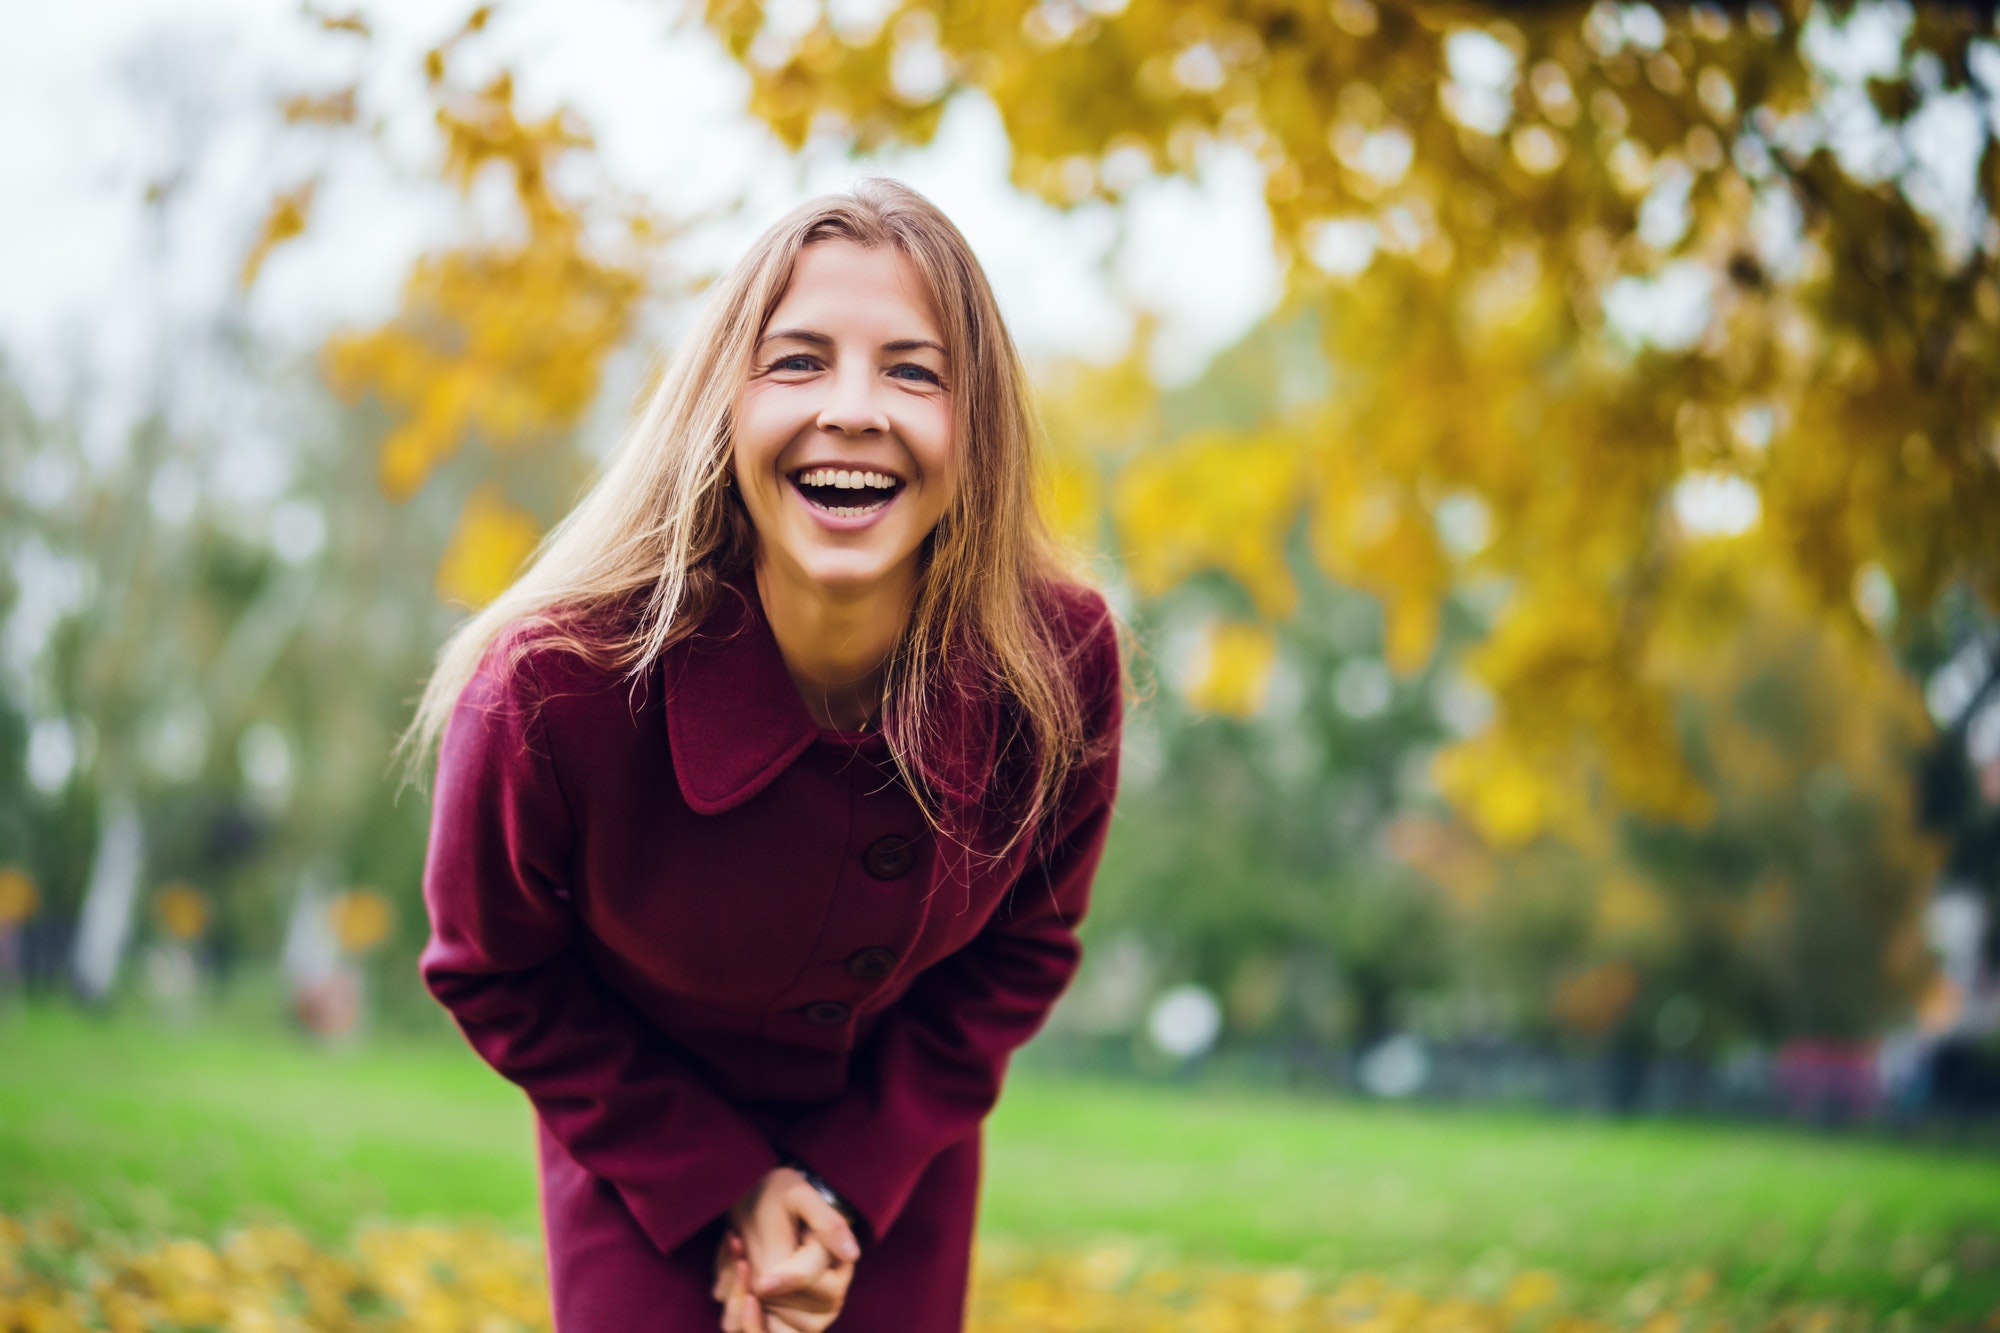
(735,721)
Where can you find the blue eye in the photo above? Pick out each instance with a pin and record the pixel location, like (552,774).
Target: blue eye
(923,371)
(793,363)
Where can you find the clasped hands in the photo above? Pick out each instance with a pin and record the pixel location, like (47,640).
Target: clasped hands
(785,1259)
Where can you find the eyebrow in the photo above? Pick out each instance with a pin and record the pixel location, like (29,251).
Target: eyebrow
(822,340)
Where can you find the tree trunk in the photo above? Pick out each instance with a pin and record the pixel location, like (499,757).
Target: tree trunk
(104,926)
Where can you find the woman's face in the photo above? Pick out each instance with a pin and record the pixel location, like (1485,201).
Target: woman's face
(843,438)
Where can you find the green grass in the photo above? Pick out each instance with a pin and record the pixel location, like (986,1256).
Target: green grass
(133,1125)
(130,1124)
(1430,1194)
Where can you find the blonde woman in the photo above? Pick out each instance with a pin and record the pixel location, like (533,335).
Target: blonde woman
(769,797)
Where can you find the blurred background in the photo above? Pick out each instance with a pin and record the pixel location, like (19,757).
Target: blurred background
(1549,458)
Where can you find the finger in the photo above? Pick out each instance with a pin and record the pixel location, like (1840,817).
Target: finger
(801,1305)
(796,1273)
(725,1270)
(739,1291)
(821,1300)
(826,1223)
(753,1309)
(794,1323)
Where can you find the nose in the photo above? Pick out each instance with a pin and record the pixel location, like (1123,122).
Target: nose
(851,406)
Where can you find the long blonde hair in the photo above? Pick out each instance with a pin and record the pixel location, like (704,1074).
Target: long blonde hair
(661,531)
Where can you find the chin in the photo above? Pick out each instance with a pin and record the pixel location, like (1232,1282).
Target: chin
(849,571)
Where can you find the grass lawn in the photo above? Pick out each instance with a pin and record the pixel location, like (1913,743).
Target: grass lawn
(132,1125)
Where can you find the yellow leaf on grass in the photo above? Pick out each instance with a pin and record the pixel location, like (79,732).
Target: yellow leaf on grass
(1529,1290)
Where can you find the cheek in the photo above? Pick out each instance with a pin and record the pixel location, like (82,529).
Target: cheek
(937,449)
(765,423)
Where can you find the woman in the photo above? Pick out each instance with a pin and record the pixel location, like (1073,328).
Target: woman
(769,797)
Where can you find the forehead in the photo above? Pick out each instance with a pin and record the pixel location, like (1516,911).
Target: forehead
(840,287)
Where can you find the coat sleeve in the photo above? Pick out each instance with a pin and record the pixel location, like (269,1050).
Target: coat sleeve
(504,957)
(933,1066)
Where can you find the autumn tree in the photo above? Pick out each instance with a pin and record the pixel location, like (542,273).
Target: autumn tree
(1592,282)
(1623,316)
(499,339)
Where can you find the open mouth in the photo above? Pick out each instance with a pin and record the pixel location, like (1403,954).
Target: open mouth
(846,492)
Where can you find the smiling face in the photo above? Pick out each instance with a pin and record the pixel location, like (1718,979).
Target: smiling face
(843,441)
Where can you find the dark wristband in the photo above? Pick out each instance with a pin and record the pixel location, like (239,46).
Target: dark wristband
(824,1190)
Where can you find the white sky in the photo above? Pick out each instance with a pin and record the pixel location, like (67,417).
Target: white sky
(98,100)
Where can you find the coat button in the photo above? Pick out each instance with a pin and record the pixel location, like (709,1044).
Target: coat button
(826,1013)
(890,857)
(871,964)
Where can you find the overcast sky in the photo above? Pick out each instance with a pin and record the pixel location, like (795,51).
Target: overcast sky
(98,101)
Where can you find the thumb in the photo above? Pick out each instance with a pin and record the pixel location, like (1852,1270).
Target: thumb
(828,1227)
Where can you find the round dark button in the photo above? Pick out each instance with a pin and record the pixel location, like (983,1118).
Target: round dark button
(871,964)
(826,1013)
(890,857)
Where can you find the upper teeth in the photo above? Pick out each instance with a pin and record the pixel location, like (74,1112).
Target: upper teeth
(845,479)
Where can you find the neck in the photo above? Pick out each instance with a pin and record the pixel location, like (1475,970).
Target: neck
(835,642)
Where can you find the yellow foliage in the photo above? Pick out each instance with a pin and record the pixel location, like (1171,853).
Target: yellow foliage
(1072,500)
(1529,1291)
(182,910)
(1102,411)
(1091,416)
(1510,800)
(1110,1289)
(1370,535)
(1628,907)
(361,919)
(350,22)
(285,220)
(1212,501)
(334,108)
(400,1280)
(19,898)
(492,540)
(1467,339)
(1236,669)
(505,340)
(55,1278)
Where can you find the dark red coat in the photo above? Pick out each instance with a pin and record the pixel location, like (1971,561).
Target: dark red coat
(701,934)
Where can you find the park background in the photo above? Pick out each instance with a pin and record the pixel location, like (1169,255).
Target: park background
(1549,460)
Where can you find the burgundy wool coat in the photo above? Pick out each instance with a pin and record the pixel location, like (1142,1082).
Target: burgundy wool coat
(704,935)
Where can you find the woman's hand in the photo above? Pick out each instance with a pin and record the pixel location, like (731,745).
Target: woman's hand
(793,1257)
(732,1287)
(809,1309)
